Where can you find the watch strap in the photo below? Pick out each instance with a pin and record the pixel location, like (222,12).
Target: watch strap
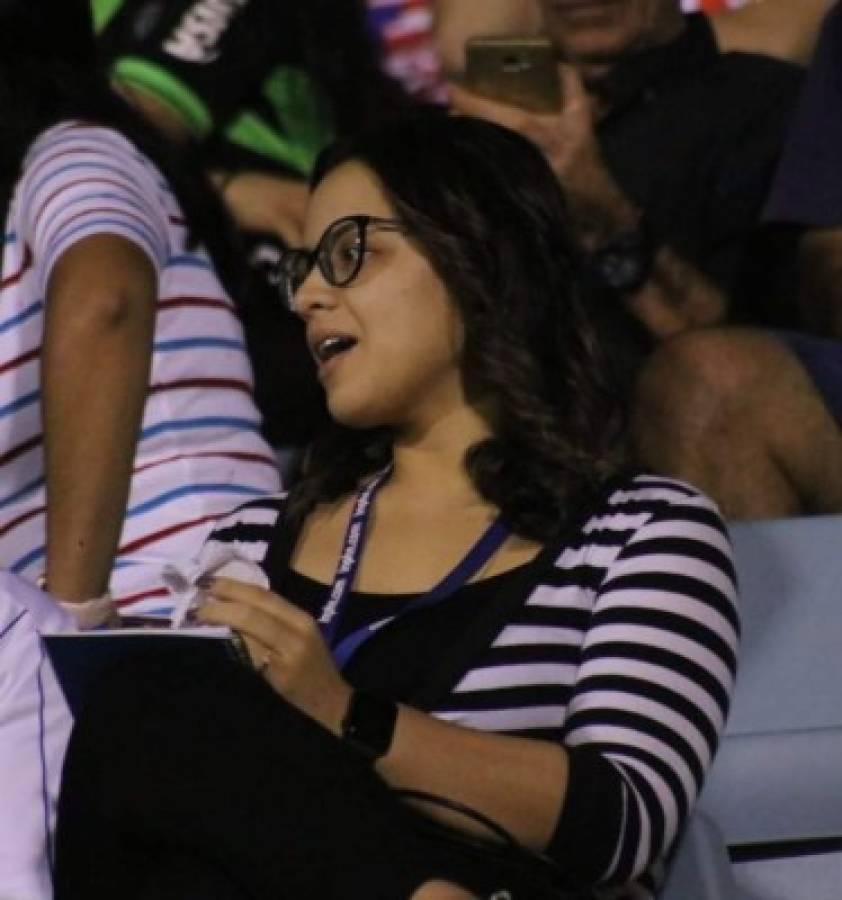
(369,724)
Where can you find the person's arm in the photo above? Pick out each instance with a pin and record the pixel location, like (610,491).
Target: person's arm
(774,27)
(658,669)
(96,223)
(265,202)
(677,296)
(519,783)
(96,356)
(820,295)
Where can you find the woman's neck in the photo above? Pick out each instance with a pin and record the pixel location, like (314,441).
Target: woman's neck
(431,460)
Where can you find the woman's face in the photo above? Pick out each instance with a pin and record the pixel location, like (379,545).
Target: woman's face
(388,344)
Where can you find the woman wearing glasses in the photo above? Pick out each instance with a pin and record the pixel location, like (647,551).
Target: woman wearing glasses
(489,659)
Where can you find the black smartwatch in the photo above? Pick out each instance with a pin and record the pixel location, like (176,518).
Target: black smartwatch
(625,262)
(369,724)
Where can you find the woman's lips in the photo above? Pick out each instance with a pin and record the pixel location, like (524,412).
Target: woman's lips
(327,367)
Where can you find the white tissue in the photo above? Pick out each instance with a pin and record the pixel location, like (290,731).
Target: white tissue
(227,562)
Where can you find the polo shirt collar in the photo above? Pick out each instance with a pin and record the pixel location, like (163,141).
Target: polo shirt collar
(643,72)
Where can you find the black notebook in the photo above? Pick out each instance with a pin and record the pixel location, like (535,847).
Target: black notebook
(82,657)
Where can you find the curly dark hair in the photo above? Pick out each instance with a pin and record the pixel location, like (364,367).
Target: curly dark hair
(488,213)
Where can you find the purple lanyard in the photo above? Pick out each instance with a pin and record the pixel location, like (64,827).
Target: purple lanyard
(349,561)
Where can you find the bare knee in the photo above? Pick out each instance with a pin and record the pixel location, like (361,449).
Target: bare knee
(705,380)
(734,412)
(706,370)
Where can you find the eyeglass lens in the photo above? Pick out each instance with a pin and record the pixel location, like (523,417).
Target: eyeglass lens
(339,255)
(341,251)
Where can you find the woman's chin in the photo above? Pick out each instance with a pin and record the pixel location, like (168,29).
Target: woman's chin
(355,415)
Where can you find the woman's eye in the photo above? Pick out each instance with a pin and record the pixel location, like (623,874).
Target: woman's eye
(351,252)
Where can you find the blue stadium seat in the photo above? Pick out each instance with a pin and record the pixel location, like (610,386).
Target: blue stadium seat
(773,799)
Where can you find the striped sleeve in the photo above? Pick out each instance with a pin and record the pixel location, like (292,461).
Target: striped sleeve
(81,181)
(249,527)
(657,669)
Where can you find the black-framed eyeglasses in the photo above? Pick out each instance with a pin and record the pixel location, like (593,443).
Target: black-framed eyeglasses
(339,255)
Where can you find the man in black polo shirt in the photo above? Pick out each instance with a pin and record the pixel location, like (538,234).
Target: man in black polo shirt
(666,148)
(755,417)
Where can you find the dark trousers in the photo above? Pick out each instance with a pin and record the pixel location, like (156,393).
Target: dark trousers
(196,781)
(186,781)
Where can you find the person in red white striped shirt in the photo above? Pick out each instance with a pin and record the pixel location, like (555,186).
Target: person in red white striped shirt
(126,417)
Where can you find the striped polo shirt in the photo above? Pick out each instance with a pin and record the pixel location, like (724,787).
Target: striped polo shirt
(200,450)
(623,648)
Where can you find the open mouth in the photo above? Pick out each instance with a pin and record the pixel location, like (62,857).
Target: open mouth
(330,347)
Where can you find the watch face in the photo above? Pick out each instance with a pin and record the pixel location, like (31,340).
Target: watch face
(621,270)
(625,263)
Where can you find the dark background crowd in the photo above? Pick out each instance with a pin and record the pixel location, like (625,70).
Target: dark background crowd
(699,161)
(730,337)
(697,153)
(155,178)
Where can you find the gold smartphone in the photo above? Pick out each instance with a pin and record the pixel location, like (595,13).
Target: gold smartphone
(520,71)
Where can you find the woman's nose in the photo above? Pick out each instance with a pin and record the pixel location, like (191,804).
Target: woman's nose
(314,293)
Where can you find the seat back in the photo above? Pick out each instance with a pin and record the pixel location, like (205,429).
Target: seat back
(775,789)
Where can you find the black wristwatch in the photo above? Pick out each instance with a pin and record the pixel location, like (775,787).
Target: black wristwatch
(625,262)
(369,724)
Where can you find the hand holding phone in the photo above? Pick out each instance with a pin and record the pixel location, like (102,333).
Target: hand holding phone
(565,136)
(518,71)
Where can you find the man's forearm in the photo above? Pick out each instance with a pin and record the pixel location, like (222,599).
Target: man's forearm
(96,359)
(676,297)
(91,424)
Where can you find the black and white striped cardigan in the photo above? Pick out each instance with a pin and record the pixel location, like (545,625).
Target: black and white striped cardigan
(626,648)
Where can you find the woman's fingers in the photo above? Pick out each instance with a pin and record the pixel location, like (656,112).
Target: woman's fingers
(227,590)
(261,616)
(285,646)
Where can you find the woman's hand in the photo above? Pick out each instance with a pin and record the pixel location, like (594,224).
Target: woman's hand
(285,645)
